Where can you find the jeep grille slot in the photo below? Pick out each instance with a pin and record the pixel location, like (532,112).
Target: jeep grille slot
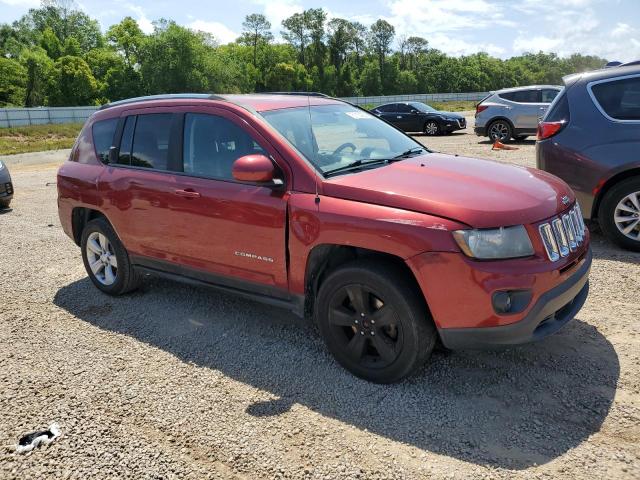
(563,234)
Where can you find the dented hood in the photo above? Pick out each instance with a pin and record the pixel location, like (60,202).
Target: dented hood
(479,193)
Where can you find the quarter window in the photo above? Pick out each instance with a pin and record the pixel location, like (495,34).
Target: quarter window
(548,95)
(212,144)
(151,141)
(620,99)
(103,132)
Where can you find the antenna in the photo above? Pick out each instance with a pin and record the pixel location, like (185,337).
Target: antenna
(317,199)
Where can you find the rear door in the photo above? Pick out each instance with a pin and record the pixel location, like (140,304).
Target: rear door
(526,108)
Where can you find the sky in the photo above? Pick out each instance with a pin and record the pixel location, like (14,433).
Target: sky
(503,28)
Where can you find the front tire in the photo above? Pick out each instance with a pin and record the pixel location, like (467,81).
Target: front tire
(4,204)
(619,214)
(431,128)
(374,321)
(500,130)
(106,260)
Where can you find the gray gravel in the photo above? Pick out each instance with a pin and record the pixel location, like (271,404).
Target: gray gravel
(182,382)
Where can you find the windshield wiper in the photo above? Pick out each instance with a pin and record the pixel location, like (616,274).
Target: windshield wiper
(364,162)
(355,164)
(410,152)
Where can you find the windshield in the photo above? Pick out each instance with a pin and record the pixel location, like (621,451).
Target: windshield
(423,107)
(339,135)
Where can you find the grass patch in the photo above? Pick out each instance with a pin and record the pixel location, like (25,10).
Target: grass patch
(38,138)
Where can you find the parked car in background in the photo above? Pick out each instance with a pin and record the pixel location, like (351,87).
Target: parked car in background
(313,204)
(6,186)
(513,112)
(591,139)
(420,117)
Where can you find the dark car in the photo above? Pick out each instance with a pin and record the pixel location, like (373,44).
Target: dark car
(420,117)
(591,139)
(318,206)
(6,187)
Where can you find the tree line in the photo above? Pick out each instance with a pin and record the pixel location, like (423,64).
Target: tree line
(57,55)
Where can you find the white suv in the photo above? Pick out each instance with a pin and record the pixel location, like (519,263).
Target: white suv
(513,112)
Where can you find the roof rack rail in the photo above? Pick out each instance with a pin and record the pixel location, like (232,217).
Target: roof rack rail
(304,94)
(169,96)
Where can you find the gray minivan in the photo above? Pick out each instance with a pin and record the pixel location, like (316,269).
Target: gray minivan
(591,139)
(513,112)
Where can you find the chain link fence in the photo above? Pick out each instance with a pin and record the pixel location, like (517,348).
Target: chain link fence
(17,117)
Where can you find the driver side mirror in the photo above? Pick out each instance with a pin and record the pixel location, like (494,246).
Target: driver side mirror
(255,168)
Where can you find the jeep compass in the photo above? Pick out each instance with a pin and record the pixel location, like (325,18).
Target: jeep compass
(313,204)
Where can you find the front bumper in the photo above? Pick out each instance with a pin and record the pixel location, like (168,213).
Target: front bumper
(6,190)
(554,309)
(454,125)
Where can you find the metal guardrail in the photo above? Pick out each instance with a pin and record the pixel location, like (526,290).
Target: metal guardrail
(17,117)
(420,97)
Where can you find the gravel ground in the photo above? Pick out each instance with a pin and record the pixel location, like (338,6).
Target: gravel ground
(182,382)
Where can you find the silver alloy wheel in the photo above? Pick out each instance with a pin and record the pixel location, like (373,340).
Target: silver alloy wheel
(431,128)
(101,258)
(627,216)
(499,131)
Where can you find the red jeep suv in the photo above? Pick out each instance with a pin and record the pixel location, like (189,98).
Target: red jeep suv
(313,204)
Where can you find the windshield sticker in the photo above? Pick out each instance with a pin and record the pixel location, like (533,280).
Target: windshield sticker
(359,115)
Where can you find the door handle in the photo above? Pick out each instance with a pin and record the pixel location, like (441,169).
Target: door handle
(187,193)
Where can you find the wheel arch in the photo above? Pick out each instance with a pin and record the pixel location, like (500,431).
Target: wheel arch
(80,216)
(325,258)
(495,119)
(609,184)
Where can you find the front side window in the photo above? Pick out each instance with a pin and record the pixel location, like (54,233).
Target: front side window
(334,136)
(151,141)
(620,99)
(212,144)
(103,132)
(423,107)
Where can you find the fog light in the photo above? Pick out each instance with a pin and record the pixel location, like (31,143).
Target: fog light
(502,302)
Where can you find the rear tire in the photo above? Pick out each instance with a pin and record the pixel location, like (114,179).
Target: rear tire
(106,260)
(4,204)
(374,321)
(619,214)
(499,130)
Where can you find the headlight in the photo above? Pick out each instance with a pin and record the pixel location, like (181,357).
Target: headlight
(504,242)
(1,164)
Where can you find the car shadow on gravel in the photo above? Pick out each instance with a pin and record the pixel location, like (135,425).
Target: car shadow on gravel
(514,408)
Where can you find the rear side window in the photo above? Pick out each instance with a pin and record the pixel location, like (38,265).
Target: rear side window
(386,108)
(103,132)
(619,99)
(522,96)
(151,141)
(124,154)
(212,144)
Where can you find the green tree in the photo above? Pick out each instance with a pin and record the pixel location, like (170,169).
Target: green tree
(13,79)
(51,43)
(71,83)
(38,66)
(256,32)
(71,47)
(288,77)
(128,39)
(381,38)
(296,32)
(174,60)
